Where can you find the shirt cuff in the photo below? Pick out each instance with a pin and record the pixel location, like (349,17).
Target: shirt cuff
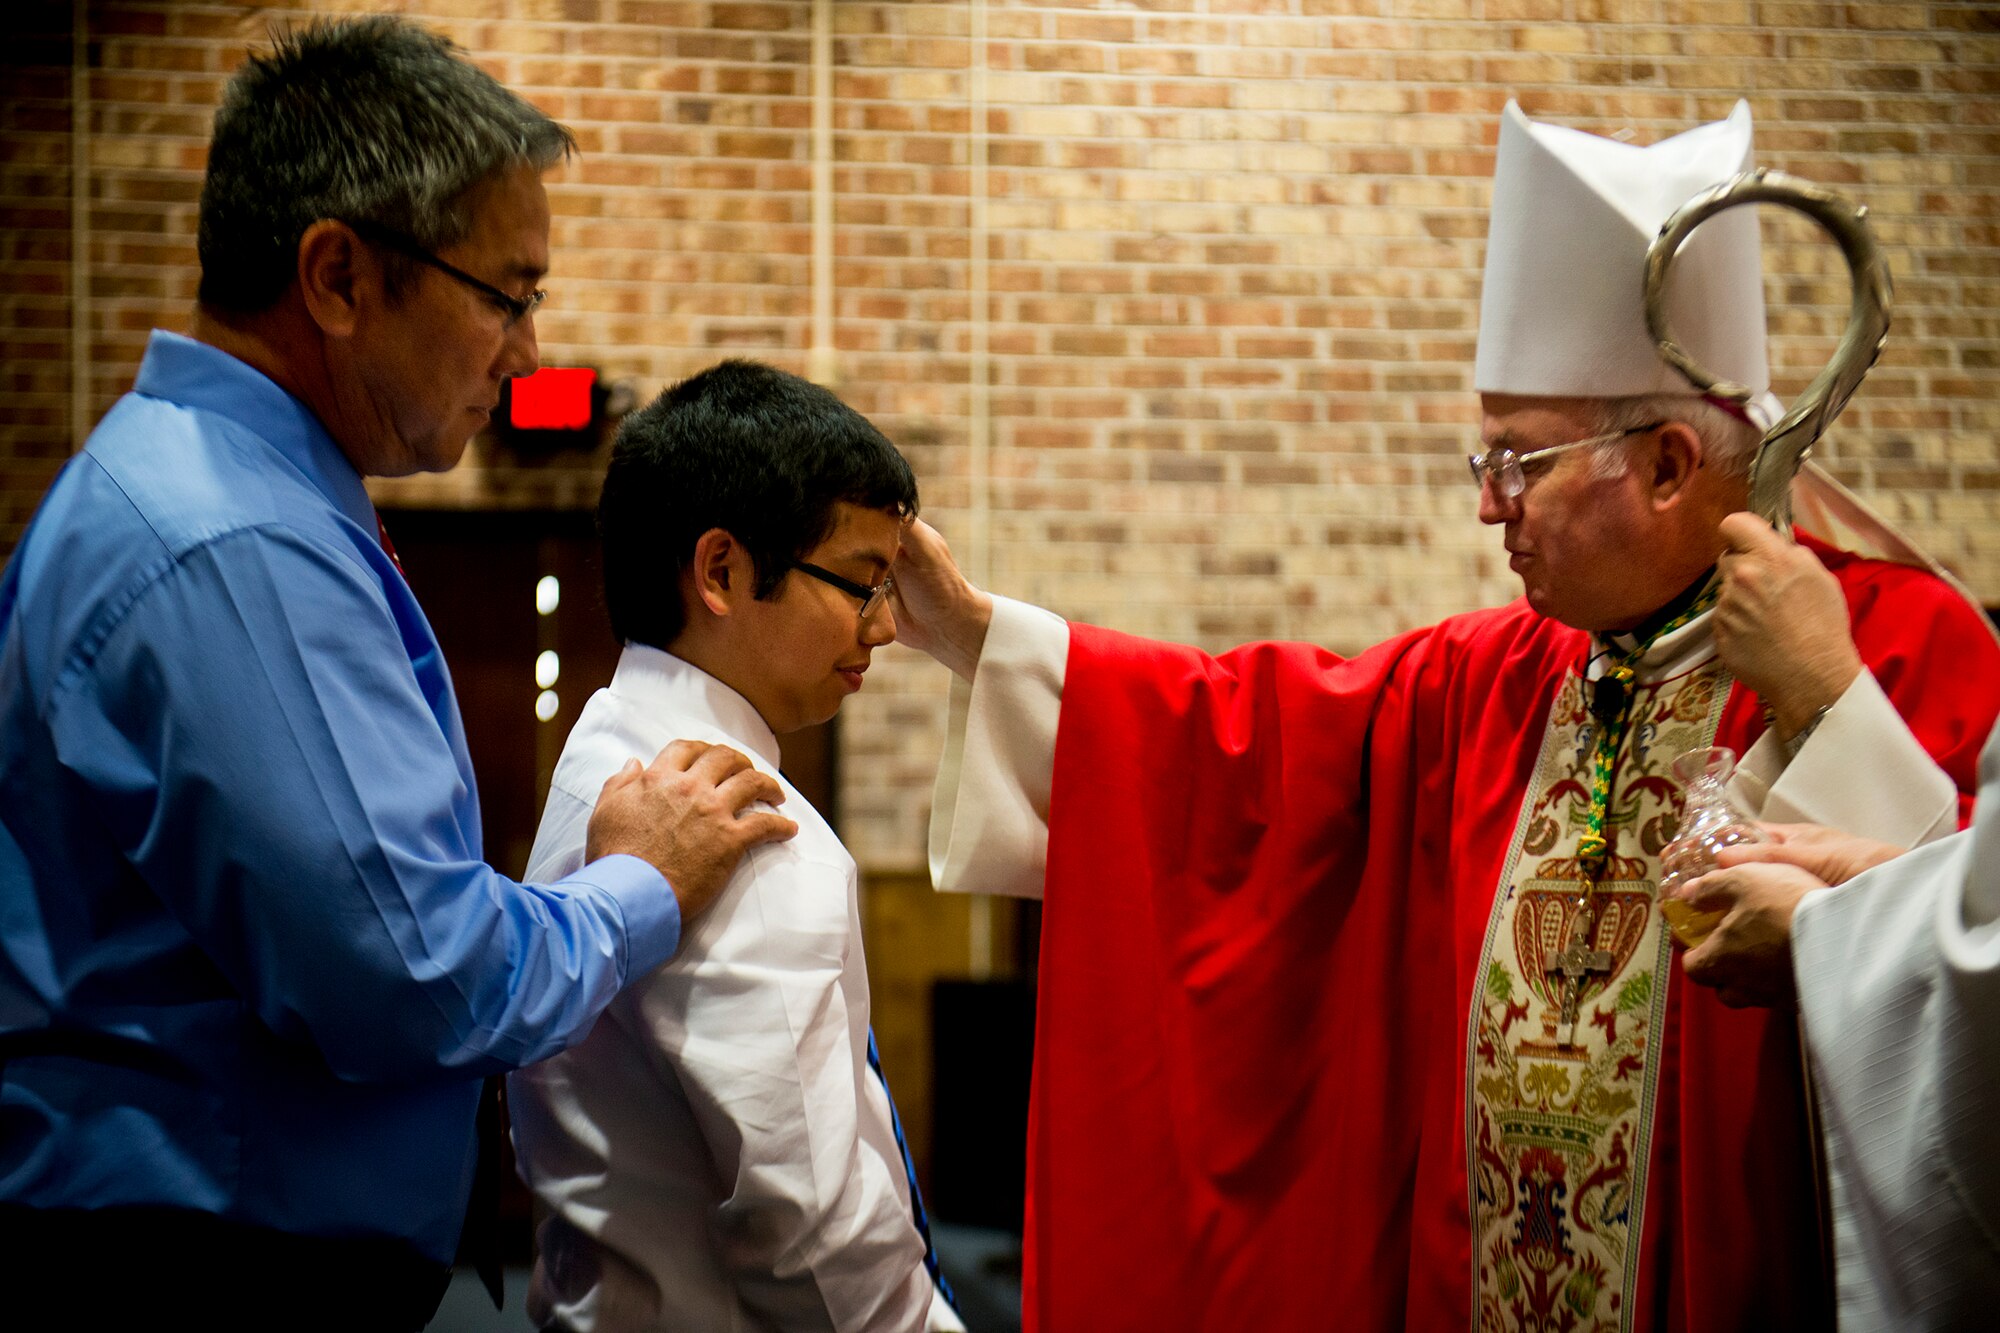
(645,902)
(1860,771)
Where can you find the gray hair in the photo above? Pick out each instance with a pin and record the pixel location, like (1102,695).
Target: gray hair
(1729,441)
(365,120)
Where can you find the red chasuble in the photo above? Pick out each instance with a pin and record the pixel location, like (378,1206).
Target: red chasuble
(1271,879)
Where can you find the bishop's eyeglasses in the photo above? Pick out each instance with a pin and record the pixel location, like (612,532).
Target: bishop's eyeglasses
(515,308)
(871,598)
(1503,467)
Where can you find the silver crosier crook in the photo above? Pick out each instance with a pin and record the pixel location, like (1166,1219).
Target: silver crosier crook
(1786,445)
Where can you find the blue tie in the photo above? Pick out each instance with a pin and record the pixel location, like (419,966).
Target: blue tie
(917,1213)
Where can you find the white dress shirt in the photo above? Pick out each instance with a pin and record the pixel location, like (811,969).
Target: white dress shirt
(717,1154)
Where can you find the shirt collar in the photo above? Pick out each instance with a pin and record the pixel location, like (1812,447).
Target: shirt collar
(1670,654)
(1673,646)
(659,681)
(196,375)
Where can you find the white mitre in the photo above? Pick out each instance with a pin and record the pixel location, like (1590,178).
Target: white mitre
(1563,310)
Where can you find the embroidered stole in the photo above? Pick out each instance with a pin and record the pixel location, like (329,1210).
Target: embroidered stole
(1559,1115)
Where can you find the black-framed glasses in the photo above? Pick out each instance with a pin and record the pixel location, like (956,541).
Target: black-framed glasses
(1503,466)
(871,598)
(516,308)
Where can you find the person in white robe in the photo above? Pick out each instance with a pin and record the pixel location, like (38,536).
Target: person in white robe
(1894,960)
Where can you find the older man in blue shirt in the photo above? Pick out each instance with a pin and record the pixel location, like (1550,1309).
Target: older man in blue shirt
(252,966)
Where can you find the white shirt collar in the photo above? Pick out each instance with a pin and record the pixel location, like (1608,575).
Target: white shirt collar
(657,682)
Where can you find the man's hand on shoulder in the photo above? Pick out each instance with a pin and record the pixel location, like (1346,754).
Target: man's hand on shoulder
(1781,624)
(937,610)
(687,815)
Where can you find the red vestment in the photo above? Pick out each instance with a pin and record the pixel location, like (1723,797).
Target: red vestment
(1269,878)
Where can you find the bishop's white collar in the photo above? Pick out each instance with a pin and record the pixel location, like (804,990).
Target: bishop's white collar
(1672,654)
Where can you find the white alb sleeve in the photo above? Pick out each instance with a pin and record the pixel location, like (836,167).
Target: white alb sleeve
(990,807)
(1860,771)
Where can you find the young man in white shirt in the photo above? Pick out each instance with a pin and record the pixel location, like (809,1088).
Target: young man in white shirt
(721,1153)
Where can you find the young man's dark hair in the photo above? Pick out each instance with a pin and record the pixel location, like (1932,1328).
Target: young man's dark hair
(745,447)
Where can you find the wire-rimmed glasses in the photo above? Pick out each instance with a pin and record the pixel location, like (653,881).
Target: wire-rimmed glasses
(1503,467)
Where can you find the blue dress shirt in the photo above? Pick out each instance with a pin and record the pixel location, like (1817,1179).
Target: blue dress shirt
(251,961)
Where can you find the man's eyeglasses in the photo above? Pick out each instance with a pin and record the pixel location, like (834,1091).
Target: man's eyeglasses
(870,597)
(516,308)
(1502,466)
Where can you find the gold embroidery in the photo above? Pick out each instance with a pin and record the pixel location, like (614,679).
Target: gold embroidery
(1560,1115)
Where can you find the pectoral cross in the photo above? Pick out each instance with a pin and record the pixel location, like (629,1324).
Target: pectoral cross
(1574,964)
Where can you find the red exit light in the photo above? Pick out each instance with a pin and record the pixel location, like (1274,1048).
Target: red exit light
(553,398)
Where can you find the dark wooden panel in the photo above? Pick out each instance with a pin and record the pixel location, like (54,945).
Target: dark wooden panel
(475,574)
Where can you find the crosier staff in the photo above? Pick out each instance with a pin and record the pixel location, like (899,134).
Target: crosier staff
(1788,443)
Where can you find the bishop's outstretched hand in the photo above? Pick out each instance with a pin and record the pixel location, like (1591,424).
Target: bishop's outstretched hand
(937,610)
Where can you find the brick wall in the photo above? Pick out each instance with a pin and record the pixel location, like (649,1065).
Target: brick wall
(1231,250)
